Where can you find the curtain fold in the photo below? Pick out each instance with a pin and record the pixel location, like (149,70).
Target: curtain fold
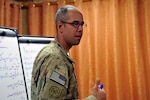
(15,17)
(35,19)
(41,19)
(7,13)
(10,15)
(48,12)
(1,12)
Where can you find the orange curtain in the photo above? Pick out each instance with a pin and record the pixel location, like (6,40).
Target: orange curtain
(41,19)
(10,15)
(1,12)
(115,48)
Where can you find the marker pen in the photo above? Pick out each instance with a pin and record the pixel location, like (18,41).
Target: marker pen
(101,87)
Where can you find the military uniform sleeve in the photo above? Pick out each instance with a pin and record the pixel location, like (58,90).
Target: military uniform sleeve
(90,97)
(54,85)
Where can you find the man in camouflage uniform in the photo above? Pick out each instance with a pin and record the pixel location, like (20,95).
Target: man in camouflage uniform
(53,76)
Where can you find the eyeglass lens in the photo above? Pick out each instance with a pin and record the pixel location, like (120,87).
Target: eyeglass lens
(77,23)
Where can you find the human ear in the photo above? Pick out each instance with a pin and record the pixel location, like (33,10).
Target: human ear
(60,27)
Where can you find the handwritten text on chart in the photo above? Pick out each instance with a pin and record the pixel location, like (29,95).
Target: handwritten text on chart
(11,73)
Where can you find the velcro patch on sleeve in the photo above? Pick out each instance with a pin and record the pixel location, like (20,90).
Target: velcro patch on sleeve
(58,78)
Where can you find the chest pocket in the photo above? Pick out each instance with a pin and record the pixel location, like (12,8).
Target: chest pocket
(72,85)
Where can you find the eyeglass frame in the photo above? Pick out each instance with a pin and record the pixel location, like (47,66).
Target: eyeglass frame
(73,23)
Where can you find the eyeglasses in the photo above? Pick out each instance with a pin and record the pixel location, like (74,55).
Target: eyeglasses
(75,24)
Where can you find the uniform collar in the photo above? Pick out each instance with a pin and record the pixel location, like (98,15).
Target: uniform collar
(64,51)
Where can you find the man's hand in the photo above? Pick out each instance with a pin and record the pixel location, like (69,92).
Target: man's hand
(100,95)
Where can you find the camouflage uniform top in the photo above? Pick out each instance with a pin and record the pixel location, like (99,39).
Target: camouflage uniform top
(53,76)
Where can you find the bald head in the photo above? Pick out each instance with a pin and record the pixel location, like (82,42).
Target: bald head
(61,14)
(69,22)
